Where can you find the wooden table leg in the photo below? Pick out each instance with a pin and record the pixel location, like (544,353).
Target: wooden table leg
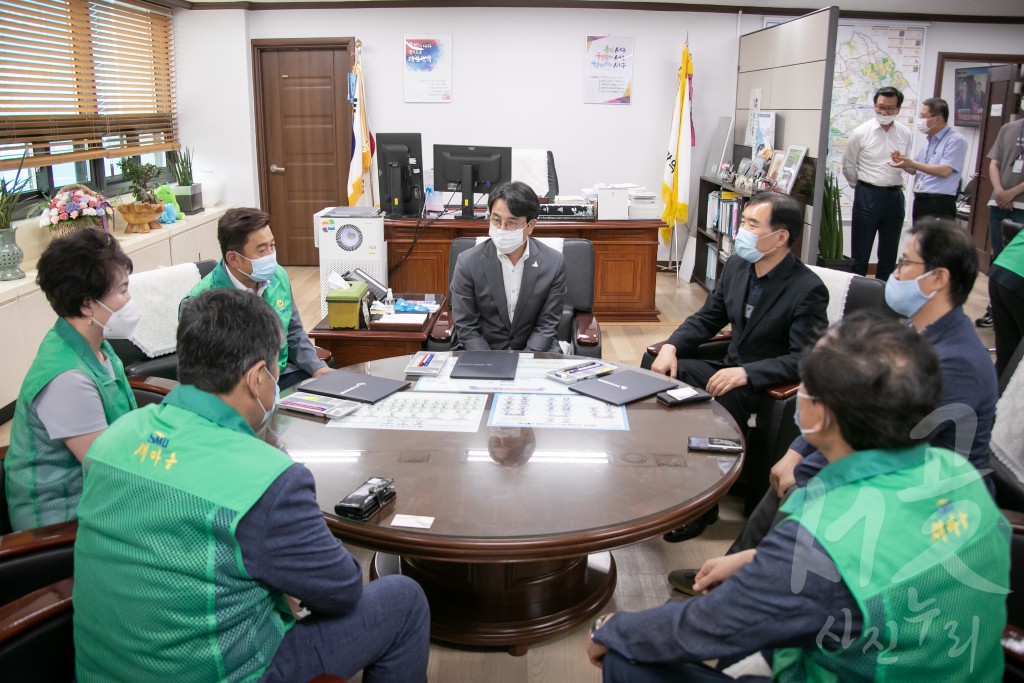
(510,605)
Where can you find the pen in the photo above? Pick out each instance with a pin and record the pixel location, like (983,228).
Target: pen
(425,361)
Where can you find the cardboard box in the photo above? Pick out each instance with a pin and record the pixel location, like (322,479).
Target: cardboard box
(345,305)
(613,204)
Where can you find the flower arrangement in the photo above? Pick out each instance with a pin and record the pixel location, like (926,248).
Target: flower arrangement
(75,207)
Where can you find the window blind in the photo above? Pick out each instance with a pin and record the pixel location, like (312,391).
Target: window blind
(84,79)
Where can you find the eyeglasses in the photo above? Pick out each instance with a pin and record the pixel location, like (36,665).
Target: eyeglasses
(886,110)
(507,225)
(907,262)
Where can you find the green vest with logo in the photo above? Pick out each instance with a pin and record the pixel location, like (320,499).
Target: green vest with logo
(161,593)
(925,552)
(278,295)
(43,477)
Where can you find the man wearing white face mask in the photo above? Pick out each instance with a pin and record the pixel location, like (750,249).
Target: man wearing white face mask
(205,529)
(776,306)
(507,292)
(250,265)
(76,385)
(938,164)
(878,202)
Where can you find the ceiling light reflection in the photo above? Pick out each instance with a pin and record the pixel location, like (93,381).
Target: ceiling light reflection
(545,456)
(314,456)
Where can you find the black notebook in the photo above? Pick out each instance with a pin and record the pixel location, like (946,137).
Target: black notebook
(624,386)
(486,365)
(354,386)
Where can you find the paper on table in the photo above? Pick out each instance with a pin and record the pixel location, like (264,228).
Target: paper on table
(530,379)
(418,411)
(560,412)
(414,521)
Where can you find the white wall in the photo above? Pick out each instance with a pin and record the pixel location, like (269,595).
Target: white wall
(517,82)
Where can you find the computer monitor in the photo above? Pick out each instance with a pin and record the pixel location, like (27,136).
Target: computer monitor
(400,174)
(470,169)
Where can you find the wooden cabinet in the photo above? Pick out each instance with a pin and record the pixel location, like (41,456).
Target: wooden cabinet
(625,260)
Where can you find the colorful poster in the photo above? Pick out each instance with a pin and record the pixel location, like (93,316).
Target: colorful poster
(428,68)
(608,70)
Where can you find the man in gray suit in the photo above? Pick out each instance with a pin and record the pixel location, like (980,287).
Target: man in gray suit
(506,293)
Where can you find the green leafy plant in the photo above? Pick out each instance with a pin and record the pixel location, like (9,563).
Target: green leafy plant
(139,176)
(10,192)
(181,167)
(830,236)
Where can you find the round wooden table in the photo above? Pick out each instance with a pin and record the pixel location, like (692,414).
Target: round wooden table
(523,518)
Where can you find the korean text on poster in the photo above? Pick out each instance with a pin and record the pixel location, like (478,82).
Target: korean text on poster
(608,70)
(428,68)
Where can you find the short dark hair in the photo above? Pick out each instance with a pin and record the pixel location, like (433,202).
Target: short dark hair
(80,267)
(221,334)
(235,226)
(787,213)
(877,376)
(520,197)
(889,91)
(944,244)
(937,107)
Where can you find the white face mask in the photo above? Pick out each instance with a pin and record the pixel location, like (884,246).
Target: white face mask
(122,322)
(922,125)
(885,120)
(506,241)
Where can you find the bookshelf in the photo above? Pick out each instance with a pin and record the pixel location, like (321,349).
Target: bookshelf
(715,232)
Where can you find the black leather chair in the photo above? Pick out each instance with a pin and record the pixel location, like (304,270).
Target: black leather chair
(775,430)
(1010,230)
(137,362)
(37,636)
(577,326)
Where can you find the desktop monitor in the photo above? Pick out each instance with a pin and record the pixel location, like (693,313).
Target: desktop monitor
(470,169)
(400,174)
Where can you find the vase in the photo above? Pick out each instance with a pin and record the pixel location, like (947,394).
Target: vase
(141,217)
(11,256)
(213,186)
(190,198)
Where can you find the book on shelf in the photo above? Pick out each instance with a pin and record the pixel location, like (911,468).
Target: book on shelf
(713,204)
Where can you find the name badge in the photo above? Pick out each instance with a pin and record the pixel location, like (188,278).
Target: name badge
(1018,166)
(748,311)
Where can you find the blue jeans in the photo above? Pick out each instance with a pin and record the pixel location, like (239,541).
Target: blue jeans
(386,636)
(618,669)
(996,216)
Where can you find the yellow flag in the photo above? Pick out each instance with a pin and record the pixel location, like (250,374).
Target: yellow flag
(675,186)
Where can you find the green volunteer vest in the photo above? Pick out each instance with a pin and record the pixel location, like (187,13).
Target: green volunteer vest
(1012,256)
(161,593)
(925,552)
(43,477)
(278,295)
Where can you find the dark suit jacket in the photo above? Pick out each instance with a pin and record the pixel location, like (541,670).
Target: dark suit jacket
(480,309)
(789,319)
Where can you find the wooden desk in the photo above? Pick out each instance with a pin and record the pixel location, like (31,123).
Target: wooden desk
(625,259)
(518,550)
(360,346)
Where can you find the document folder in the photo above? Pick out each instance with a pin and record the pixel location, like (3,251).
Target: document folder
(624,386)
(353,386)
(486,365)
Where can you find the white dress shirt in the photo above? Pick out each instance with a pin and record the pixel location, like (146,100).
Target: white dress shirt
(260,286)
(512,275)
(869,151)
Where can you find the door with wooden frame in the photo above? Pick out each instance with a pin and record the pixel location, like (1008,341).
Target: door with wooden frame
(303,136)
(1000,105)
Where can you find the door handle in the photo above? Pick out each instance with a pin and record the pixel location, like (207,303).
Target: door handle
(274,168)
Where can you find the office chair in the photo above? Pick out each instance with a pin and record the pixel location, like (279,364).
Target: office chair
(775,430)
(37,636)
(1010,230)
(578,327)
(1004,461)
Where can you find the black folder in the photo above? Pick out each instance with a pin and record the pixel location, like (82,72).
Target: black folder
(486,365)
(353,386)
(623,386)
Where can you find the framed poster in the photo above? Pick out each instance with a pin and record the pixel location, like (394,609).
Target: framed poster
(971,87)
(790,167)
(428,68)
(720,149)
(608,70)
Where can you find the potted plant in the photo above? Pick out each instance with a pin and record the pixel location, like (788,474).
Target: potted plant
(188,192)
(140,216)
(11,254)
(75,207)
(830,235)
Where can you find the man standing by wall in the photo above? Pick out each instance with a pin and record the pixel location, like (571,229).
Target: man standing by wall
(1006,171)
(878,202)
(939,164)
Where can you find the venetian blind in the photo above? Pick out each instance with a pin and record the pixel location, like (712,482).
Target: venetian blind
(84,79)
